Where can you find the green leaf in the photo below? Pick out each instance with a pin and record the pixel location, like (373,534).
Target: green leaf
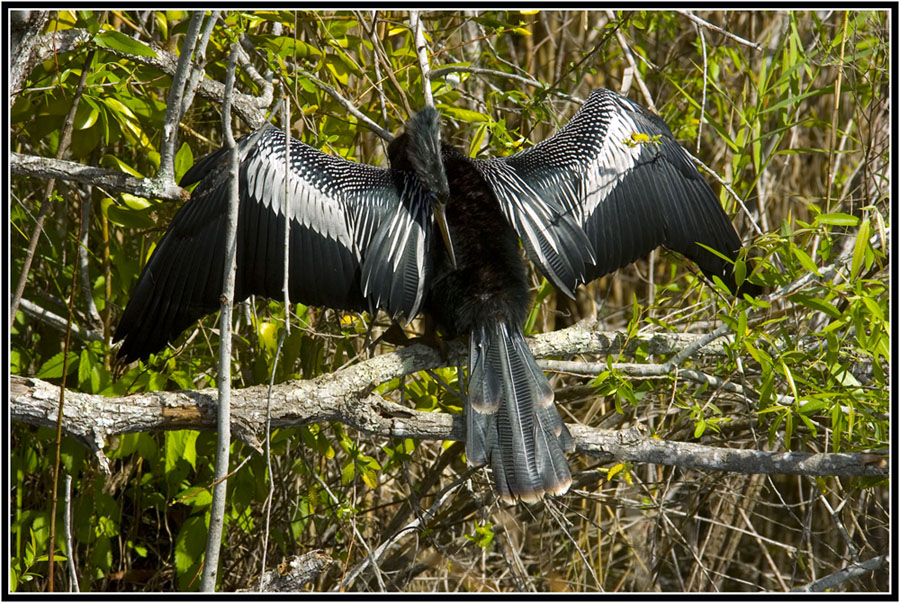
(464,115)
(874,308)
(812,405)
(817,304)
(84,367)
(190,544)
(740,272)
(53,367)
(108,159)
(699,428)
(805,260)
(181,445)
(136,203)
(85,116)
(140,549)
(742,324)
(195,496)
(477,139)
(347,473)
(122,43)
(184,159)
(121,108)
(129,218)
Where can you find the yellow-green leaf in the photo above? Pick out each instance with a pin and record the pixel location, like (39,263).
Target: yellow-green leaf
(859,249)
(836,219)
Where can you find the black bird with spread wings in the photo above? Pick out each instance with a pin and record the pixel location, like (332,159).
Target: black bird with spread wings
(439,233)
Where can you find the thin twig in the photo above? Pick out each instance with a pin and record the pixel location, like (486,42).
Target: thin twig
(86,285)
(762,548)
(415,524)
(370,554)
(59,413)
(285,123)
(197,72)
(626,50)
(67,526)
(350,107)
(718,29)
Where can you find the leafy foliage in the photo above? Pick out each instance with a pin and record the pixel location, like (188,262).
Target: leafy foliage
(798,128)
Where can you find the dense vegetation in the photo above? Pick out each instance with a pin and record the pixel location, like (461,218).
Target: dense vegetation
(789,109)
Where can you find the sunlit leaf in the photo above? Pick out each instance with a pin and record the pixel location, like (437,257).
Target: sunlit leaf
(115,40)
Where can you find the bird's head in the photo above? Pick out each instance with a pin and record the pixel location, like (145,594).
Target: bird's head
(423,149)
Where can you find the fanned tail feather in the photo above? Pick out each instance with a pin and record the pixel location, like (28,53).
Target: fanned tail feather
(511,419)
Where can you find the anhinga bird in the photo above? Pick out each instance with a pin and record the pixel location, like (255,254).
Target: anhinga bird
(609,187)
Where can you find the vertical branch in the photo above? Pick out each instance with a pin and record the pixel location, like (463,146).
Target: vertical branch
(705,84)
(623,43)
(376,61)
(415,24)
(217,512)
(174,105)
(65,141)
(86,287)
(285,122)
(832,132)
(25,31)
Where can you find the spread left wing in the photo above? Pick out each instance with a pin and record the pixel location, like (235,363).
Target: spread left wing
(358,236)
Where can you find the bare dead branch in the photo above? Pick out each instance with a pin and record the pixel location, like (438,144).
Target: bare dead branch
(690,15)
(630,445)
(56,321)
(851,571)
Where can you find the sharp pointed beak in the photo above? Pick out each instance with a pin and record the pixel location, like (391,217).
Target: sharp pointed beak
(440,215)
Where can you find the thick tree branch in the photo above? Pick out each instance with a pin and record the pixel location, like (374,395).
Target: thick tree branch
(347,397)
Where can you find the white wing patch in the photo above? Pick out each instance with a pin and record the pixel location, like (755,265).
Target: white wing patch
(614,162)
(312,202)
